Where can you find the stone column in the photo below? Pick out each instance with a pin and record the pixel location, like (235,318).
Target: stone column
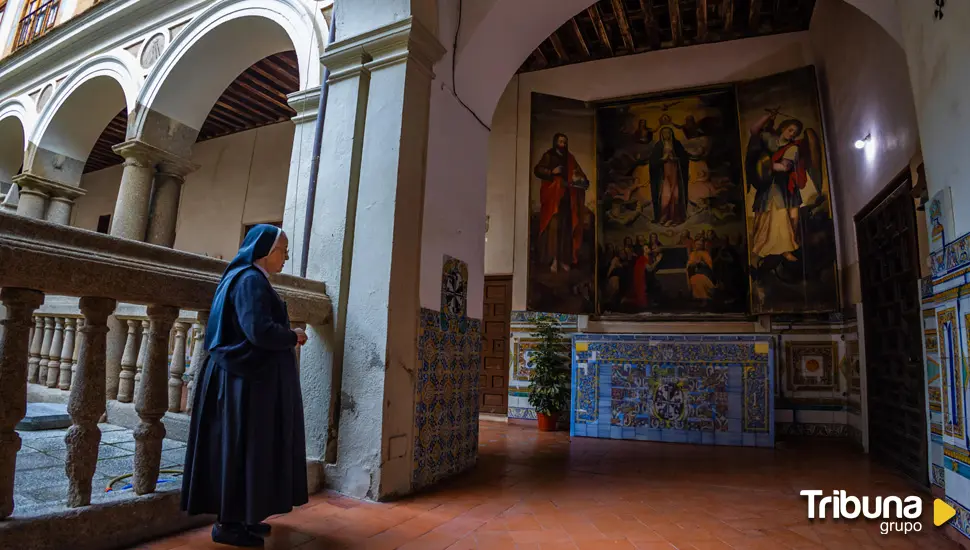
(165,208)
(77,350)
(67,355)
(14,349)
(375,309)
(57,344)
(151,400)
(117,335)
(306,103)
(142,351)
(36,341)
(86,404)
(45,199)
(199,355)
(126,380)
(45,350)
(130,219)
(177,369)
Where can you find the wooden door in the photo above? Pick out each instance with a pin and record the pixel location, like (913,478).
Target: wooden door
(494,377)
(889,270)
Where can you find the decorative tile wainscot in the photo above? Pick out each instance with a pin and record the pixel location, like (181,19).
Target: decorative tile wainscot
(711,390)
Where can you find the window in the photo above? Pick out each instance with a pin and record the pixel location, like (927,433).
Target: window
(39,17)
(3,9)
(104,223)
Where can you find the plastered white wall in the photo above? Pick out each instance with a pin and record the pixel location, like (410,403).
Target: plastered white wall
(509,170)
(242,180)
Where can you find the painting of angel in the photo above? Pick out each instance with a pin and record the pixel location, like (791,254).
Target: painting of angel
(791,232)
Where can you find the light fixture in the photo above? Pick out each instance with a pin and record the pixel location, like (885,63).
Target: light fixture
(861,143)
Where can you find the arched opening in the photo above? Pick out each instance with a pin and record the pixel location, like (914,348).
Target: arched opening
(12,140)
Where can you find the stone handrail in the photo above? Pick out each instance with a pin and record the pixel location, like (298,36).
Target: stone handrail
(38,258)
(61,260)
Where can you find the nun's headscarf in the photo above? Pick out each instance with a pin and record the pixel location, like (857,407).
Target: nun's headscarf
(259,242)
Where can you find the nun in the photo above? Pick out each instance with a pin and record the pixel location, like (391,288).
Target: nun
(246,454)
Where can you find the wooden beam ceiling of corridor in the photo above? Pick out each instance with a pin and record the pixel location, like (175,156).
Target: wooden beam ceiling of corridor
(256,98)
(614,28)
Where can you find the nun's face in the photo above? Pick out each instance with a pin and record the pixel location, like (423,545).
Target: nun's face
(277,258)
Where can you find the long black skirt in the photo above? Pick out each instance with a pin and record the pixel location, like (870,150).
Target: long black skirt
(246,454)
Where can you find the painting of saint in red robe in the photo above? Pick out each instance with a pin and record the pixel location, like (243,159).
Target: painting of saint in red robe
(562,198)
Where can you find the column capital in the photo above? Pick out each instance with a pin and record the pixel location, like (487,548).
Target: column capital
(397,42)
(34,184)
(305,103)
(139,153)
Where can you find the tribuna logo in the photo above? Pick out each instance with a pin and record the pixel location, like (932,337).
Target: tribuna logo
(904,511)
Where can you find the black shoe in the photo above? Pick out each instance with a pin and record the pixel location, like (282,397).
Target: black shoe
(261,529)
(235,535)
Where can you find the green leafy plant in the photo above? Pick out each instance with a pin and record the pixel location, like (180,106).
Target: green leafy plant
(549,393)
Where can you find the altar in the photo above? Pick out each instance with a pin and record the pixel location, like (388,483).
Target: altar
(701,389)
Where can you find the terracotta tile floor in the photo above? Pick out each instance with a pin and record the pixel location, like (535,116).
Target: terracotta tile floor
(533,490)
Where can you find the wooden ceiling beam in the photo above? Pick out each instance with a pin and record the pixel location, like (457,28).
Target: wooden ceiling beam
(619,11)
(580,39)
(597,18)
(558,47)
(676,25)
(727,13)
(754,16)
(650,23)
(274,101)
(702,20)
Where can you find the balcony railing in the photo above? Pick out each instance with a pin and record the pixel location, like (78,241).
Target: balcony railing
(66,351)
(40,16)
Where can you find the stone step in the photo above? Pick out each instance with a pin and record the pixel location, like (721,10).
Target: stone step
(45,416)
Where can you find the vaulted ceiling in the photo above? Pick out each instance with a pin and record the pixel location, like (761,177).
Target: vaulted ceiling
(613,28)
(256,98)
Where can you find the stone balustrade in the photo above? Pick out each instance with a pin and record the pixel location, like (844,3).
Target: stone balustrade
(68,350)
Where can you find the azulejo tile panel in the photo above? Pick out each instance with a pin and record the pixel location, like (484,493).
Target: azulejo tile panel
(939,476)
(446,389)
(521,344)
(951,373)
(810,429)
(715,390)
(811,365)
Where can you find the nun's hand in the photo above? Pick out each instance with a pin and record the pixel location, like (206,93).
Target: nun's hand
(300,336)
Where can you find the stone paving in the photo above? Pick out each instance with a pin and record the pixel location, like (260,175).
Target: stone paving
(40,483)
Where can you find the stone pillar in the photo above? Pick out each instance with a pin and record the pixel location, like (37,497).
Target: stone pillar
(117,336)
(151,400)
(86,404)
(126,379)
(36,341)
(199,355)
(130,219)
(57,344)
(306,103)
(14,349)
(376,309)
(165,207)
(67,355)
(77,350)
(142,351)
(45,350)
(45,199)
(177,369)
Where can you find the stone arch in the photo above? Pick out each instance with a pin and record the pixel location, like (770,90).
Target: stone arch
(15,122)
(485,65)
(71,122)
(223,41)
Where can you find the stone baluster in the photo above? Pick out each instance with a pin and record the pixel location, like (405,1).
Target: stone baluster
(126,380)
(45,350)
(86,404)
(77,349)
(142,351)
(198,359)
(36,341)
(151,400)
(67,355)
(177,369)
(57,344)
(14,349)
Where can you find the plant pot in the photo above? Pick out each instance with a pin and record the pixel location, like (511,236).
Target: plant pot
(547,423)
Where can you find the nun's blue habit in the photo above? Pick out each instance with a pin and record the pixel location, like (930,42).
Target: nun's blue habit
(246,455)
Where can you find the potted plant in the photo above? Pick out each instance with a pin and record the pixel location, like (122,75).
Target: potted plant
(549,392)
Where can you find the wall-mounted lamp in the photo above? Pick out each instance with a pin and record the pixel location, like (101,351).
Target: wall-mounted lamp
(861,143)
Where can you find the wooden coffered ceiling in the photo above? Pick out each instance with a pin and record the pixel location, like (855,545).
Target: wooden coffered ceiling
(256,98)
(613,28)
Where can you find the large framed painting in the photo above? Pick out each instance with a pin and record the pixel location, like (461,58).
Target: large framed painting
(562,201)
(671,205)
(791,231)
